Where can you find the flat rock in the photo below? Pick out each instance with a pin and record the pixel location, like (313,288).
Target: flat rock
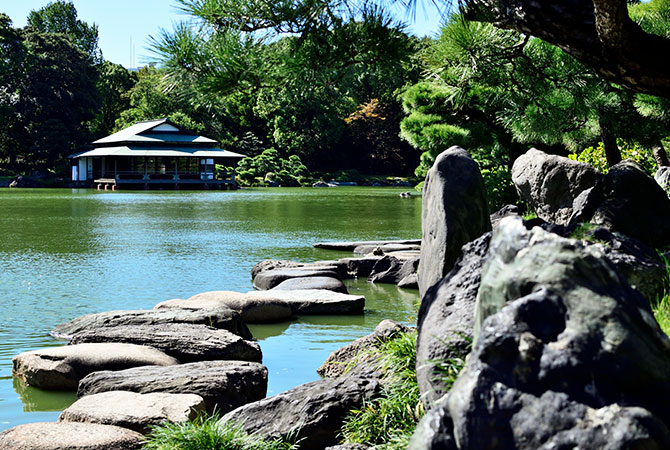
(253,308)
(328,283)
(319,301)
(221,317)
(338,361)
(63,367)
(70,436)
(271,278)
(360,267)
(350,246)
(223,385)
(134,411)
(186,342)
(272,264)
(311,413)
(392,270)
(386,248)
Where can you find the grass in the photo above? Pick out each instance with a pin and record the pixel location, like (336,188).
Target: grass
(207,433)
(661,307)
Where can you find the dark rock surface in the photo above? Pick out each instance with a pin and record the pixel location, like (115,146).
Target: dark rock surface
(454,212)
(63,367)
(222,317)
(392,270)
(360,267)
(135,411)
(328,283)
(338,361)
(662,177)
(312,413)
(447,316)
(551,183)
(186,342)
(505,211)
(223,385)
(350,246)
(70,436)
(270,278)
(568,356)
(628,200)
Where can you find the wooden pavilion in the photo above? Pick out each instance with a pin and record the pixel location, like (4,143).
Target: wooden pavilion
(154,154)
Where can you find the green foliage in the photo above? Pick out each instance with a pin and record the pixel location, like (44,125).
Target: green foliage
(661,307)
(208,433)
(499,187)
(271,168)
(596,156)
(388,420)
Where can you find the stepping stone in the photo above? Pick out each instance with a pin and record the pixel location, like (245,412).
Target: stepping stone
(135,411)
(63,367)
(271,278)
(70,436)
(223,385)
(386,248)
(186,342)
(328,283)
(222,317)
(318,301)
(350,246)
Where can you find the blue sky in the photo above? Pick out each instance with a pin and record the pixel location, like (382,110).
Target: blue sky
(119,21)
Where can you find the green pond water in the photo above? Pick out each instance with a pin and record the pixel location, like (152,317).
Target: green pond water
(64,253)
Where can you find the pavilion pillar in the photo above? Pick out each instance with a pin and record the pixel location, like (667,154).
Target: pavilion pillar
(146,177)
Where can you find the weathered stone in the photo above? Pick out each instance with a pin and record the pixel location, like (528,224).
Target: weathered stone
(222,317)
(70,436)
(134,411)
(339,360)
(311,413)
(318,301)
(409,282)
(271,278)
(223,385)
(328,283)
(63,367)
(550,183)
(568,355)
(350,246)
(455,211)
(186,342)
(385,248)
(662,177)
(360,267)
(505,211)
(271,264)
(447,316)
(252,307)
(628,200)
(392,270)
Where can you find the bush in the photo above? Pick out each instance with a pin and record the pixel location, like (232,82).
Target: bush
(499,187)
(596,156)
(270,167)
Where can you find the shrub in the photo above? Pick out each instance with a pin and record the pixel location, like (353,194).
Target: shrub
(596,156)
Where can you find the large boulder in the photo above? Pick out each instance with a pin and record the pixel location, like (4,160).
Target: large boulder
(446,318)
(662,177)
(551,183)
(627,200)
(392,270)
(186,342)
(70,436)
(454,212)
(568,355)
(223,385)
(135,411)
(270,278)
(338,363)
(222,317)
(63,367)
(329,283)
(253,308)
(311,413)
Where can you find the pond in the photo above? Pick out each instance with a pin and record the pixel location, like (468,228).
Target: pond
(64,253)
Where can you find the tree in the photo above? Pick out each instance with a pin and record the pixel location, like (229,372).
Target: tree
(61,17)
(113,84)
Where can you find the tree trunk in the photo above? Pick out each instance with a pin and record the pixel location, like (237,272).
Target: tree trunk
(612,152)
(660,155)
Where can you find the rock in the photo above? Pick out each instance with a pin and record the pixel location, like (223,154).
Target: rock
(318,301)
(223,385)
(454,212)
(390,269)
(446,318)
(550,183)
(63,367)
(505,211)
(409,282)
(350,246)
(628,200)
(224,318)
(360,267)
(271,264)
(662,177)
(252,307)
(385,248)
(70,436)
(311,413)
(331,284)
(186,342)
(568,355)
(320,184)
(338,361)
(348,447)
(271,278)
(134,411)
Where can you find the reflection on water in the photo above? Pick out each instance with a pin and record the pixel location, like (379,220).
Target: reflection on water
(64,253)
